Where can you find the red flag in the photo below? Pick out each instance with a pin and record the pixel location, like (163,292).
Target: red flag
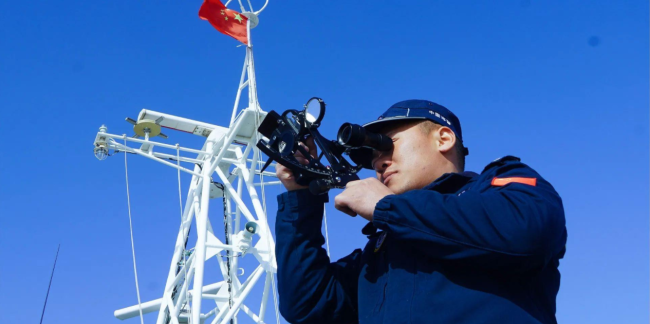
(229,22)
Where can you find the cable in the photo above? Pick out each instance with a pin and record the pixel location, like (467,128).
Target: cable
(180,202)
(135,269)
(275,291)
(50,284)
(275,300)
(327,239)
(226,228)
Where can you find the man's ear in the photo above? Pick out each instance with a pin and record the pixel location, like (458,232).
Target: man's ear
(445,139)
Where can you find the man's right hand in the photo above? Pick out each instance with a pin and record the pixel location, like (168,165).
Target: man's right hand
(286,175)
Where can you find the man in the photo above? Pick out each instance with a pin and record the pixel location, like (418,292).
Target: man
(452,246)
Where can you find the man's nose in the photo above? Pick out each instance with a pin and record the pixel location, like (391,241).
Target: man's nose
(381,162)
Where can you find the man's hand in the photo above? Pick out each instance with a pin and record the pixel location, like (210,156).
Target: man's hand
(360,197)
(285,175)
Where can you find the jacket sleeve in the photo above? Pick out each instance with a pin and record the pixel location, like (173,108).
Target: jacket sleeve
(311,289)
(516,227)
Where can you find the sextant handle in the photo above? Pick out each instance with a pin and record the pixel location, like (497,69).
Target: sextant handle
(319,186)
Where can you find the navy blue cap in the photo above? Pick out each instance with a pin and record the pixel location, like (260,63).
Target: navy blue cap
(417,110)
(409,110)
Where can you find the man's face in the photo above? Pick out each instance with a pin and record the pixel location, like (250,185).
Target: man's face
(414,162)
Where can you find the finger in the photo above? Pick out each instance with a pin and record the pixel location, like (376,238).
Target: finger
(286,176)
(283,173)
(303,151)
(302,160)
(341,204)
(343,208)
(280,169)
(298,152)
(311,145)
(349,212)
(352,183)
(338,201)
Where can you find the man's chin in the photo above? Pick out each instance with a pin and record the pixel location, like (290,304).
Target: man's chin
(397,189)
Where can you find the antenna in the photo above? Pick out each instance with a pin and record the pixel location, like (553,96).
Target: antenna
(231,156)
(50,284)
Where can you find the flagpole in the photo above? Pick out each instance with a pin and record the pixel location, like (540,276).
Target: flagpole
(252,81)
(50,284)
(249,68)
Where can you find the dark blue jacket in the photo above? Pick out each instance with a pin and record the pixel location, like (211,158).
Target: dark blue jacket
(467,248)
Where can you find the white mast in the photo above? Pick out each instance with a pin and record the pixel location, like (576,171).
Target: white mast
(232,155)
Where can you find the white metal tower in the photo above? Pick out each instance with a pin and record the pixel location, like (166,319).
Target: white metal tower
(230,153)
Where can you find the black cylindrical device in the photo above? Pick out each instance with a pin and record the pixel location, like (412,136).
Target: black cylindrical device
(355,136)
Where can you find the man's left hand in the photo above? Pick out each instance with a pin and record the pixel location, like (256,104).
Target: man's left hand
(361,196)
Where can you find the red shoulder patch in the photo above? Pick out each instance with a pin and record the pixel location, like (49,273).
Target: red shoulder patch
(500,182)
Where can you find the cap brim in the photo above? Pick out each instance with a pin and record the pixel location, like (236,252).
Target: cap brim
(374,126)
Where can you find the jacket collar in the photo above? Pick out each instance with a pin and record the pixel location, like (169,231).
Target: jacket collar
(451,182)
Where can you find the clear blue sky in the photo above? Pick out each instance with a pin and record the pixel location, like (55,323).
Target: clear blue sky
(561,84)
